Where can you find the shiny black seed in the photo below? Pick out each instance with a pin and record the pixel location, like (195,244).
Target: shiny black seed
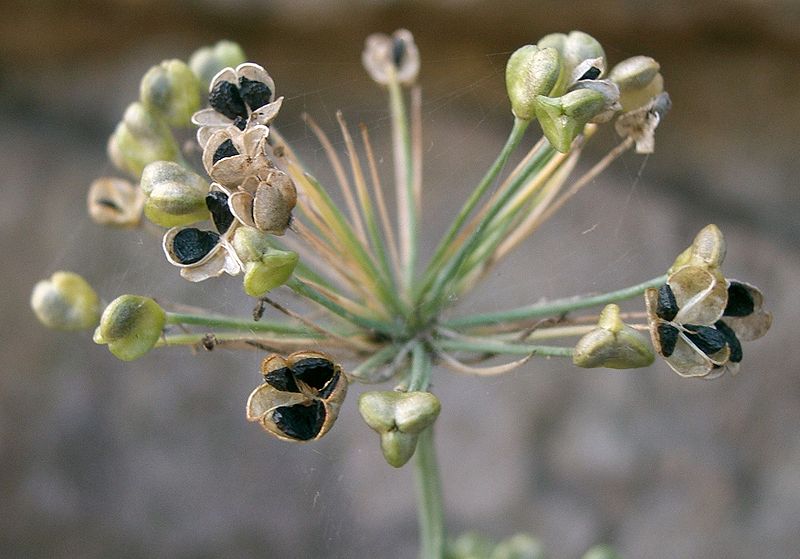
(733,341)
(225,99)
(591,74)
(667,337)
(225,149)
(707,339)
(740,300)
(300,421)
(282,379)
(328,390)
(240,123)
(398,51)
(666,307)
(314,371)
(256,94)
(217,204)
(192,245)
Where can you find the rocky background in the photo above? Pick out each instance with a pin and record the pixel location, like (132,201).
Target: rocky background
(154,458)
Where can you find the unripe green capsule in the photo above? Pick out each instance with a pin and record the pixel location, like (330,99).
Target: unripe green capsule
(601,552)
(706,251)
(273,270)
(398,447)
(208,61)
(638,80)
(131,325)
(172,90)
(519,546)
(66,301)
(574,48)
(531,71)
(613,344)
(563,118)
(175,195)
(141,138)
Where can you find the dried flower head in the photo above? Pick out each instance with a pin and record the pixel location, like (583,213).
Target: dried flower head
(392,57)
(114,201)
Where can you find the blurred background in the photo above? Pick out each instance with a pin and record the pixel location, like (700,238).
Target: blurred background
(154,458)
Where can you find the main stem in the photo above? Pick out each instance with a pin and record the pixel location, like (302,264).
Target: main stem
(430,513)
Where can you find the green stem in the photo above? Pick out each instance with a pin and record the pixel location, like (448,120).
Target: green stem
(310,293)
(554,308)
(514,137)
(193,339)
(489,346)
(401,138)
(430,512)
(238,324)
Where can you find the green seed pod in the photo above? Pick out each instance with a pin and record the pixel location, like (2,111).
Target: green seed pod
(66,302)
(131,325)
(172,90)
(175,195)
(398,417)
(563,118)
(531,71)
(574,48)
(601,552)
(141,138)
(208,61)
(613,344)
(469,545)
(274,269)
(638,80)
(519,546)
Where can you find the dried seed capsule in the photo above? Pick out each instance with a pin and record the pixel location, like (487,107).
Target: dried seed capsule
(130,326)
(66,301)
(385,56)
(300,398)
(638,80)
(175,195)
(531,71)
(117,202)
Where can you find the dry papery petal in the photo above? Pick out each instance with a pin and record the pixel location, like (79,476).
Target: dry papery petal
(700,294)
(270,209)
(753,325)
(200,254)
(114,201)
(231,156)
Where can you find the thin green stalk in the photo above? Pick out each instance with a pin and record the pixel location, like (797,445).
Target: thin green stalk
(430,512)
(237,324)
(514,137)
(404,173)
(309,292)
(489,346)
(195,339)
(554,308)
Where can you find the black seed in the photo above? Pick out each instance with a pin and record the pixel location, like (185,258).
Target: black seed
(591,74)
(225,149)
(225,99)
(240,123)
(192,245)
(282,379)
(666,307)
(328,390)
(707,339)
(217,204)
(314,371)
(733,341)
(398,51)
(256,94)
(740,301)
(667,337)
(300,421)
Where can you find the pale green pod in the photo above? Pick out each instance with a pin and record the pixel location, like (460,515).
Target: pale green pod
(575,47)
(707,250)
(172,90)
(398,447)
(531,71)
(273,270)
(638,80)
(613,344)
(140,139)
(563,118)
(131,325)
(518,546)
(208,61)
(174,195)
(470,545)
(66,301)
